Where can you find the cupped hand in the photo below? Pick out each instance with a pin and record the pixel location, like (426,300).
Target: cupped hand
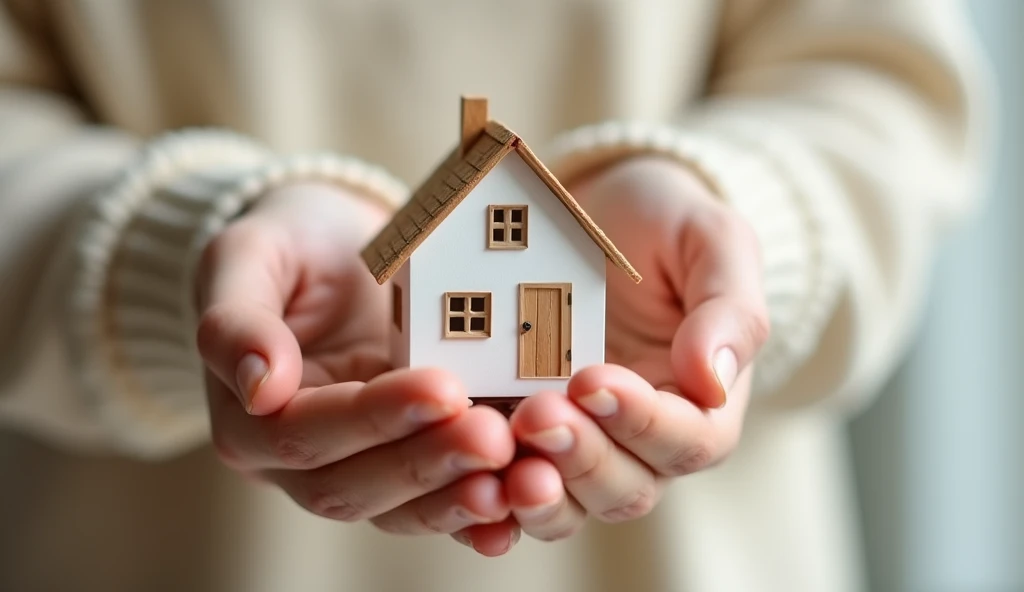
(680,345)
(293,331)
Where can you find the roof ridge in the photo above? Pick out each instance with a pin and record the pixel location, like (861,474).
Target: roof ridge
(449,184)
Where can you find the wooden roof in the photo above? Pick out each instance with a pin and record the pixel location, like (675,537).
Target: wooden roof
(449,184)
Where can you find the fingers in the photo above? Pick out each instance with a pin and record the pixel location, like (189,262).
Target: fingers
(324,425)
(477,499)
(607,481)
(713,348)
(252,351)
(490,540)
(242,338)
(726,320)
(667,432)
(539,502)
(382,478)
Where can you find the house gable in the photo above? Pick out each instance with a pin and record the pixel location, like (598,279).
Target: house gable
(455,258)
(448,186)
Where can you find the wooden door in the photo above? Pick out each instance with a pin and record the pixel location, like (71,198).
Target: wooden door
(545,330)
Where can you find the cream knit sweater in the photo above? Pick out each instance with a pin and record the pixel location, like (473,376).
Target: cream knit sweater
(847,132)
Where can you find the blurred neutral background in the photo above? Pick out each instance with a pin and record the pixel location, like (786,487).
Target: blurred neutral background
(941,455)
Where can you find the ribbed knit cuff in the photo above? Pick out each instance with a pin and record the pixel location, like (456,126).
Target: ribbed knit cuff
(801,273)
(133,304)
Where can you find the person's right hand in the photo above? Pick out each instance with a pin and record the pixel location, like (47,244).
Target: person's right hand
(291,326)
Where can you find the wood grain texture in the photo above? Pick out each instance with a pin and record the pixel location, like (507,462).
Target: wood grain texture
(474,120)
(543,349)
(431,203)
(549,332)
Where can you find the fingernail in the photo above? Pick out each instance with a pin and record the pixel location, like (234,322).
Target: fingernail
(465,514)
(537,512)
(471,462)
(512,540)
(428,413)
(463,539)
(601,403)
(725,367)
(251,373)
(553,440)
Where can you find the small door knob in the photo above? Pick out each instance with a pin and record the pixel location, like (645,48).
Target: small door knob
(527,326)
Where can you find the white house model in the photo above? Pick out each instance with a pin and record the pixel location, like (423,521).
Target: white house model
(497,273)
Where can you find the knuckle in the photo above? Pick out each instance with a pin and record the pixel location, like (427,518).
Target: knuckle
(388,526)
(294,449)
(637,505)
(640,430)
(415,474)
(690,459)
(224,449)
(210,328)
(426,522)
(334,504)
(753,324)
(590,469)
(378,428)
(208,258)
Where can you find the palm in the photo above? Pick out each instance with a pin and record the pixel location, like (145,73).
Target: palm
(336,310)
(665,222)
(338,343)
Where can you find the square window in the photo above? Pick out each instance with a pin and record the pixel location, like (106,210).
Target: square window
(508,227)
(467,315)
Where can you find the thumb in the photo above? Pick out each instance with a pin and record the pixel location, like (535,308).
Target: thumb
(242,290)
(714,344)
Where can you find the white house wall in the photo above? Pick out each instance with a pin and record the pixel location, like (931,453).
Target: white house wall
(455,258)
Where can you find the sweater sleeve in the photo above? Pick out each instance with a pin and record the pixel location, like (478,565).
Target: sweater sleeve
(101,231)
(850,135)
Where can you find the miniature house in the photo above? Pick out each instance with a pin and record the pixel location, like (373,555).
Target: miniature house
(497,273)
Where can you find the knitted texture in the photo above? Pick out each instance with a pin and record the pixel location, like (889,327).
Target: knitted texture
(132,306)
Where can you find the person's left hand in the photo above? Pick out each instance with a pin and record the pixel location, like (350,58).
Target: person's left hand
(672,399)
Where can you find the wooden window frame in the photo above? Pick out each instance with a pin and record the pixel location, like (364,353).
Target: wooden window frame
(396,306)
(507,225)
(468,314)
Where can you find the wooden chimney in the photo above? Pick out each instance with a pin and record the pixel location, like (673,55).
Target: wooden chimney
(474,120)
